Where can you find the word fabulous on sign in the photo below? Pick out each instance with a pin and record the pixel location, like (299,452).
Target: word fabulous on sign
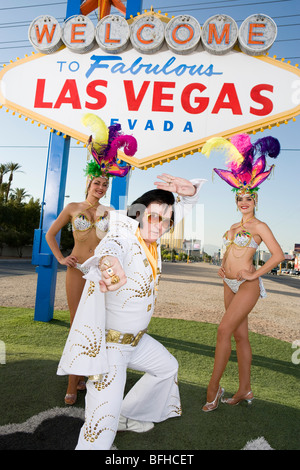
(149,32)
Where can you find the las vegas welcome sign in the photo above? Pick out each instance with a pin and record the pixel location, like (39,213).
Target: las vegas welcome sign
(170,82)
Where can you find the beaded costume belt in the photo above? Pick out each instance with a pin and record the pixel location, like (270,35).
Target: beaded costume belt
(113,336)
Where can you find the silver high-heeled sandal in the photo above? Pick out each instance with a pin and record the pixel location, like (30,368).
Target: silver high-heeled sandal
(248,397)
(213,405)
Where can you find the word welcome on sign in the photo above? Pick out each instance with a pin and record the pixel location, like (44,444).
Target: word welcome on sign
(148,33)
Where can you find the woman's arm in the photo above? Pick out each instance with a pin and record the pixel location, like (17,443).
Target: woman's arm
(273,246)
(58,224)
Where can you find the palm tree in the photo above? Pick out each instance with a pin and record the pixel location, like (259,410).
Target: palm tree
(12,167)
(18,194)
(3,191)
(3,169)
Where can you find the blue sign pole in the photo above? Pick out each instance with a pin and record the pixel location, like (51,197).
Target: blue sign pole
(52,205)
(119,191)
(53,202)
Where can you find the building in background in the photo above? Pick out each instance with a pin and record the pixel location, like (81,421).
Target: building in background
(297,256)
(192,247)
(173,240)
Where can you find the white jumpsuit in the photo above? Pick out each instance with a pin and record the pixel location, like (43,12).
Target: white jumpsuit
(108,336)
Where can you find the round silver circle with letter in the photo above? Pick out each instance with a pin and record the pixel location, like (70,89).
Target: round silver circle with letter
(45,34)
(78,34)
(257,34)
(219,34)
(112,34)
(183,34)
(147,34)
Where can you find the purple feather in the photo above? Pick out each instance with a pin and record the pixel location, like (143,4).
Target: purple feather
(113,132)
(247,163)
(268,146)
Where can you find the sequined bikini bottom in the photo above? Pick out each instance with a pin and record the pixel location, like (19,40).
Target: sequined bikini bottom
(234,285)
(83,270)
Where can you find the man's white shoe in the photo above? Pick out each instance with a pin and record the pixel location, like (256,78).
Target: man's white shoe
(127,424)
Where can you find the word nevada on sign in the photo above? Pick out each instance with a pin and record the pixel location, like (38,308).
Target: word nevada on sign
(172,100)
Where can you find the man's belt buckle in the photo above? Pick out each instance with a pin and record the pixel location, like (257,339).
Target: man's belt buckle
(113,336)
(138,337)
(128,338)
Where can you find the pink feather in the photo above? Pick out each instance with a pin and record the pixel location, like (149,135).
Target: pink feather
(127,141)
(242,142)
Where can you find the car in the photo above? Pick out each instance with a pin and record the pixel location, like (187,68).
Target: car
(285,271)
(274,271)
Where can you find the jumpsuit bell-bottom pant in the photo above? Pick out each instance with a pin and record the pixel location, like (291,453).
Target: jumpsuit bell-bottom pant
(154,397)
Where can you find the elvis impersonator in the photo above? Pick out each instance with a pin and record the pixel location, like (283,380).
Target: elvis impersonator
(109,332)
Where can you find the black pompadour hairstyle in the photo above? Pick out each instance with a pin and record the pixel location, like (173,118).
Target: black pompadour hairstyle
(159,196)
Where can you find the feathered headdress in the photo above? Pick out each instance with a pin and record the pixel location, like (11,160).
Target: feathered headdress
(104,148)
(244,174)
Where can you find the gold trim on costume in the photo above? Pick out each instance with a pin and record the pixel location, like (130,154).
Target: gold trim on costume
(113,336)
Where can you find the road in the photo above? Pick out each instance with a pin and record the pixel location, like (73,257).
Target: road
(21,267)
(18,267)
(180,268)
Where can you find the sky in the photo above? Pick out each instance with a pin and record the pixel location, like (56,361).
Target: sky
(25,143)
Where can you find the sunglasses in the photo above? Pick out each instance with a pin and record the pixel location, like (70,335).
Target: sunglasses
(154,218)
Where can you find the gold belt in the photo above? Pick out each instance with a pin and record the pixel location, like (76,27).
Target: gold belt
(113,336)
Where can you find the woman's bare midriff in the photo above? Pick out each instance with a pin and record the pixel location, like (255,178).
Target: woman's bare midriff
(243,259)
(85,249)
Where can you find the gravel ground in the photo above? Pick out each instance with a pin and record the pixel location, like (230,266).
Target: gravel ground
(201,299)
(189,292)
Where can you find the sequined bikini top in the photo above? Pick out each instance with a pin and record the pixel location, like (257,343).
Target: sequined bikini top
(242,239)
(82,225)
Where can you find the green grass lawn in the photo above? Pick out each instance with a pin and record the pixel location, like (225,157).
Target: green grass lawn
(29,384)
